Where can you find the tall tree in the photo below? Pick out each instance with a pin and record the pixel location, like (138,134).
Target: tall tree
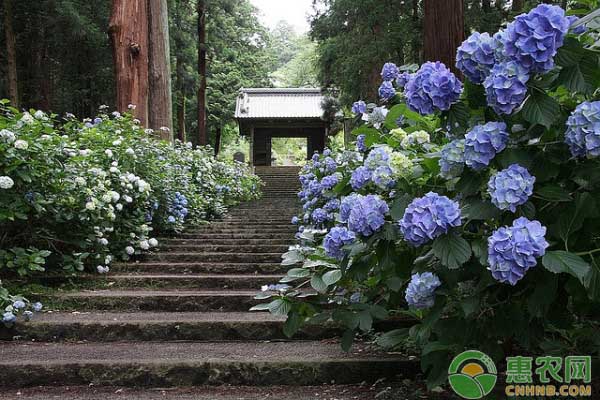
(444,30)
(128,29)
(160,100)
(202,134)
(11,54)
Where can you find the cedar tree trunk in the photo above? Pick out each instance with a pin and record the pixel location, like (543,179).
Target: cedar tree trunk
(202,136)
(11,54)
(444,30)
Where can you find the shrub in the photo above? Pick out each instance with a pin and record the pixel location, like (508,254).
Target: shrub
(82,194)
(488,236)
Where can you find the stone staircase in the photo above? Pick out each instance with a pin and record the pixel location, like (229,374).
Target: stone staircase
(179,317)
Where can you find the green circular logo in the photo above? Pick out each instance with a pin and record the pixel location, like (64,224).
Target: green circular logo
(472,374)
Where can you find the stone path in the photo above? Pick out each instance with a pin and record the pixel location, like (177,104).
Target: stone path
(180,317)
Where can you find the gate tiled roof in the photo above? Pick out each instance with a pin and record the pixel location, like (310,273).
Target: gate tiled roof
(274,103)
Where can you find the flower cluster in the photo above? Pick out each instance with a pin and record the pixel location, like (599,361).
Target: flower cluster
(420,292)
(452,159)
(432,87)
(483,142)
(533,39)
(178,208)
(513,250)
(336,239)
(583,130)
(389,72)
(360,143)
(367,215)
(359,107)
(429,217)
(511,187)
(506,86)
(361,176)
(476,56)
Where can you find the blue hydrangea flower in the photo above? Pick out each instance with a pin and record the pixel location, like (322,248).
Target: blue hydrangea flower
(506,86)
(330,181)
(361,176)
(327,152)
(483,142)
(332,205)
(403,79)
(360,143)
(330,165)
(581,29)
(389,72)
(452,160)
(533,39)
(346,205)
(378,157)
(359,107)
(420,292)
(514,250)
(368,215)
(511,187)
(337,238)
(19,304)
(433,87)
(295,220)
(387,90)
(476,56)
(429,217)
(9,318)
(37,307)
(383,178)
(319,216)
(583,130)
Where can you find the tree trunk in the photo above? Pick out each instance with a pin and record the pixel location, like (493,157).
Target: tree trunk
(202,136)
(180,101)
(128,30)
(517,5)
(218,140)
(11,54)
(160,100)
(444,30)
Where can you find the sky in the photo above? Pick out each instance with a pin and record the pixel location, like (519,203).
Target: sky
(293,11)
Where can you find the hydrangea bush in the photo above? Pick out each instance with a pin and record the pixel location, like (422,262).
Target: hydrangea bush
(472,209)
(77,195)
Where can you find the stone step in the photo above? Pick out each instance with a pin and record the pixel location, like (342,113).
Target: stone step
(224,229)
(245,225)
(224,241)
(169,364)
(256,236)
(152,326)
(227,248)
(201,300)
(215,257)
(186,281)
(199,268)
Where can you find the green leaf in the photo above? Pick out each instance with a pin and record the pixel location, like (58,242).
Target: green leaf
(280,307)
(292,324)
(592,282)
(331,277)
(392,339)
(452,250)
(347,340)
(399,206)
(298,273)
(365,321)
(317,283)
(554,193)
(572,220)
(469,183)
(480,210)
(540,109)
(564,262)
(398,111)
(261,307)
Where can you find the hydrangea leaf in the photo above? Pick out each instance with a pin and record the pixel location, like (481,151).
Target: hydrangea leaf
(565,262)
(401,110)
(554,193)
(540,109)
(592,282)
(332,277)
(392,339)
(318,284)
(452,250)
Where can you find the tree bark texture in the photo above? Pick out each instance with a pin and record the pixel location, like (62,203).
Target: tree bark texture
(128,30)
(202,134)
(517,5)
(218,141)
(160,100)
(180,100)
(11,54)
(443,30)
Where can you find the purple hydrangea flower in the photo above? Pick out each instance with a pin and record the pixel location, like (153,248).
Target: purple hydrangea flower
(330,164)
(420,292)
(389,72)
(476,56)
(532,39)
(359,107)
(332,205)
(433,87)
(514,250)
(429,217)
(387,90)
(337,238)
(346,205)
(327,152)
(368,215)
(583,130)
(360,143)
(581,29)
(9,318)
(315,157)
(378,157)
(483,142)
(506,86)
(295,220)
(330,181)
(452,160)
(511,187)
(403,79)
(383,177)
(319,216)
(361,176)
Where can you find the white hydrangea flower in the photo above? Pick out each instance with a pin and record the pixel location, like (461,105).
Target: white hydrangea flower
(45,137)
(132,235)
(27,118)
(108,152)
(114,196)
(80,181)
(148,131)
(103,242)
(418,137)
(102,270)
(108,259)
(144,245)
(107,198)
(90,206)
(153,242)
(85,152)
(129,250)
(39,114)
(119,207)
(114,170)
(116,143)
(132,106)
(21,145)
(401,165)
(6,182)
(7,136)
(130,151)
(143,186)
(127,199)
(116,114)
